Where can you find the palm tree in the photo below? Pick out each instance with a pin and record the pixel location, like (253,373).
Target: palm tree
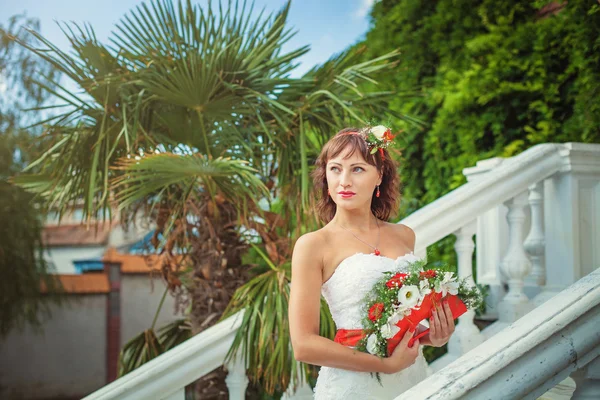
(191,117)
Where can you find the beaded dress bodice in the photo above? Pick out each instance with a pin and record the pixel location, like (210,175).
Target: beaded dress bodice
(352,280)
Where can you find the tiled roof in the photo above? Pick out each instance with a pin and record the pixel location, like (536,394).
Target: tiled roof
(135,263)
(76,235)
(84,283)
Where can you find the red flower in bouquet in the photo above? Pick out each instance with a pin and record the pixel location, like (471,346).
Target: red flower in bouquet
(375,311)
(428,274)
(396,280)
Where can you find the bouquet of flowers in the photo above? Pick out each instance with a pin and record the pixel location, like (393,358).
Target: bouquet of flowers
(401,299)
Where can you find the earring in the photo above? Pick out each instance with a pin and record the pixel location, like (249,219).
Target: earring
(378,192)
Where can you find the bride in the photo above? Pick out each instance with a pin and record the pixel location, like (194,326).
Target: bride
(359,187)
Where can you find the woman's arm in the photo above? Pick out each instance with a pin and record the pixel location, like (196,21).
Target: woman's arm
(304,311)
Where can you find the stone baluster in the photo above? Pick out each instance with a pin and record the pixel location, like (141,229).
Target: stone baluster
(467,335)
(535,242)
(515,264)
(587,381)
(237,380)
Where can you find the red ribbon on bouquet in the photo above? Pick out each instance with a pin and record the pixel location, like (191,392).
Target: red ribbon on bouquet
(351,337)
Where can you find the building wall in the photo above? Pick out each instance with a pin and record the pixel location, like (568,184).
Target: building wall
(139,301)
(66,361)
(63,257)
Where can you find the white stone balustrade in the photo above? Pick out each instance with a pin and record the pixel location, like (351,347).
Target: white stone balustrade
(166,376)
(466,336)
(237,380)
(535,242)
(515,264)
(530,356)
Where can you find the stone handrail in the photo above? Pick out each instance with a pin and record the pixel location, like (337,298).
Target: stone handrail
(528,357)
(459,207)
(165,376)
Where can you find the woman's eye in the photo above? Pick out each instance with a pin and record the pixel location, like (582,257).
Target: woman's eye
(358,169)
(334,169)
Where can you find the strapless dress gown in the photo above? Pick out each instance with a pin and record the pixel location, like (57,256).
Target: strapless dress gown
(344,292)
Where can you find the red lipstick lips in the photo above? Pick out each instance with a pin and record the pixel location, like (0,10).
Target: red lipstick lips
(346,195)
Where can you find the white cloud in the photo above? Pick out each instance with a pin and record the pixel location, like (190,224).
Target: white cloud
(364,8)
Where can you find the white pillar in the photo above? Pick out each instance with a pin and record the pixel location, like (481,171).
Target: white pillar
(466,336)
(571,219)
(236,380)
(535,242)
(515,264)
(491,241)
(587,381)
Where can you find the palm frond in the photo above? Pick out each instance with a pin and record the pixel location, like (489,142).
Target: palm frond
(151,174)
(88,132)
(138,351)
(174,333)
(212,64)
(263,336)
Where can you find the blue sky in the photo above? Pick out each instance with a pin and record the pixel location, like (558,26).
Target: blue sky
(328,26)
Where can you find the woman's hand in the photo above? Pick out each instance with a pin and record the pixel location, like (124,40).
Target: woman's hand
(402,356)
(441,325)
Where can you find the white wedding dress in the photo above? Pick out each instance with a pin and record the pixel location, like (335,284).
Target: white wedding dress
(344,292)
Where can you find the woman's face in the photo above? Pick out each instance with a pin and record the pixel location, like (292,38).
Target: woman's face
(351,180)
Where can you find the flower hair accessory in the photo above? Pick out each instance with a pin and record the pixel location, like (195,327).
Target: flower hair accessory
(377,137)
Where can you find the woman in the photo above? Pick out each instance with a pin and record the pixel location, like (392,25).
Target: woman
(359,187)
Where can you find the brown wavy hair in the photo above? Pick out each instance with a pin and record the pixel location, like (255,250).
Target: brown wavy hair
(384,205)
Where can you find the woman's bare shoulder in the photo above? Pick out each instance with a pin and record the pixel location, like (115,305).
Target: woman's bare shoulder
(310,246)
(403,233)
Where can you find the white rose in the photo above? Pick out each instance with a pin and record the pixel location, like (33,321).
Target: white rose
(372,344)
(379,131)
(408,296)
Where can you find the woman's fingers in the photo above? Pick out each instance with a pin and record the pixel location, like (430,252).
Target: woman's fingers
(433,325)
(443,322)
(449,317)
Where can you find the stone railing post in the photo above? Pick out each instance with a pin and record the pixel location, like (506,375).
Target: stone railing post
(515,264)
(237,380)
(535,242)
(491,241)
(467,335)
